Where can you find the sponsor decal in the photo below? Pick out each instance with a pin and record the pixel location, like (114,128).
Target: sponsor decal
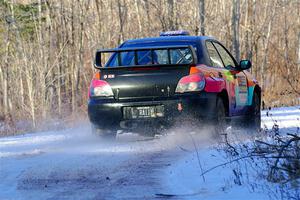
(108,76)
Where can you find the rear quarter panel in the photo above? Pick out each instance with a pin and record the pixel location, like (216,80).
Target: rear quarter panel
(219,79)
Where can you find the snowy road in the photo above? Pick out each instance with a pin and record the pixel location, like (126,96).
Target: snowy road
(73,164)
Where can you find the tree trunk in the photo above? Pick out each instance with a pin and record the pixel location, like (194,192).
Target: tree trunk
(286,44)
(121,21)
(137,10)
(298,13)
(147,8)
(236,27)
(170,6)
(202,16)
(99,13)
(266,49)
(298,52)
(73,76)
(5,82)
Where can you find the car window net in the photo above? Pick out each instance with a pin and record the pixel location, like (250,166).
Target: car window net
(151,57)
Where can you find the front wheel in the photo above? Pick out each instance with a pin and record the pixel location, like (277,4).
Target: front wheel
(221,123)
(253,119)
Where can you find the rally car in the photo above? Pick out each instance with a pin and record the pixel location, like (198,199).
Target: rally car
(150,83)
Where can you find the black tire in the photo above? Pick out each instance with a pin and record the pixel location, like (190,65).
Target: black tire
(253,119)
(104,133)
(221,123)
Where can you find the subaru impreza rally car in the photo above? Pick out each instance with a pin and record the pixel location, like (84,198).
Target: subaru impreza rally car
(153,82)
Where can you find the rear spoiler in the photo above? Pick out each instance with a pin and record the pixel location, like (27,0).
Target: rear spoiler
(98,64)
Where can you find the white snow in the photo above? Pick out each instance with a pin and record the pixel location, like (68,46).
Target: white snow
(285,117)
(184,179)
(73,164)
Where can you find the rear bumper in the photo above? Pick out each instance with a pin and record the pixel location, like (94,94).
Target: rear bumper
(108,113)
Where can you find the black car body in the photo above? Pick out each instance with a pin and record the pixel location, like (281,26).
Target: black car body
(154,81)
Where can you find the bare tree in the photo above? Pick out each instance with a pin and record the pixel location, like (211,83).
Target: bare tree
(121,14)
(266,40)
(298,13)
(138,15)
(236,28)
(47,47)
(202,16)
(170,6)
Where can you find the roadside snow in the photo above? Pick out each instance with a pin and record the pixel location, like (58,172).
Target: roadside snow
(285,117)
(73,164)
(183,179)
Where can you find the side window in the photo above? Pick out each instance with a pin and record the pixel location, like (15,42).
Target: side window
(227,59)
(181,56)
(213,55)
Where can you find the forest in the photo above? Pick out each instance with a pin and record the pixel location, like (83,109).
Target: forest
(47,48)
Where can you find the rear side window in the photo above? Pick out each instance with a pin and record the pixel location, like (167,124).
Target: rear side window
(181,56)
(226,57)
(213,55)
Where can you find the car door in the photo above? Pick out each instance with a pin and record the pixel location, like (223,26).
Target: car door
(240,90)
(218,70)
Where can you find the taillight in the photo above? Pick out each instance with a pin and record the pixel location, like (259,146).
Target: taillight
(100,88)
(97,75)
(191,83)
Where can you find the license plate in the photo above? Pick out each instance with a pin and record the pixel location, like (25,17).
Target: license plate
(143,112)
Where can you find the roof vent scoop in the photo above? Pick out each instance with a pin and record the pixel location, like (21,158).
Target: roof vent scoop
(174,33)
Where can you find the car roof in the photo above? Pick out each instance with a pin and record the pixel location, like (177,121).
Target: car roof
(169,38)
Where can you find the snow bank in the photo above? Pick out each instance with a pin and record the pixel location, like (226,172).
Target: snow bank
(236,180)
(285,118)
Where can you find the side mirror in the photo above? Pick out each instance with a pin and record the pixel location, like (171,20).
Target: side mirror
(245,64)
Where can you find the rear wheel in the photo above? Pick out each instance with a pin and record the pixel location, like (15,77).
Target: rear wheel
(104,133)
